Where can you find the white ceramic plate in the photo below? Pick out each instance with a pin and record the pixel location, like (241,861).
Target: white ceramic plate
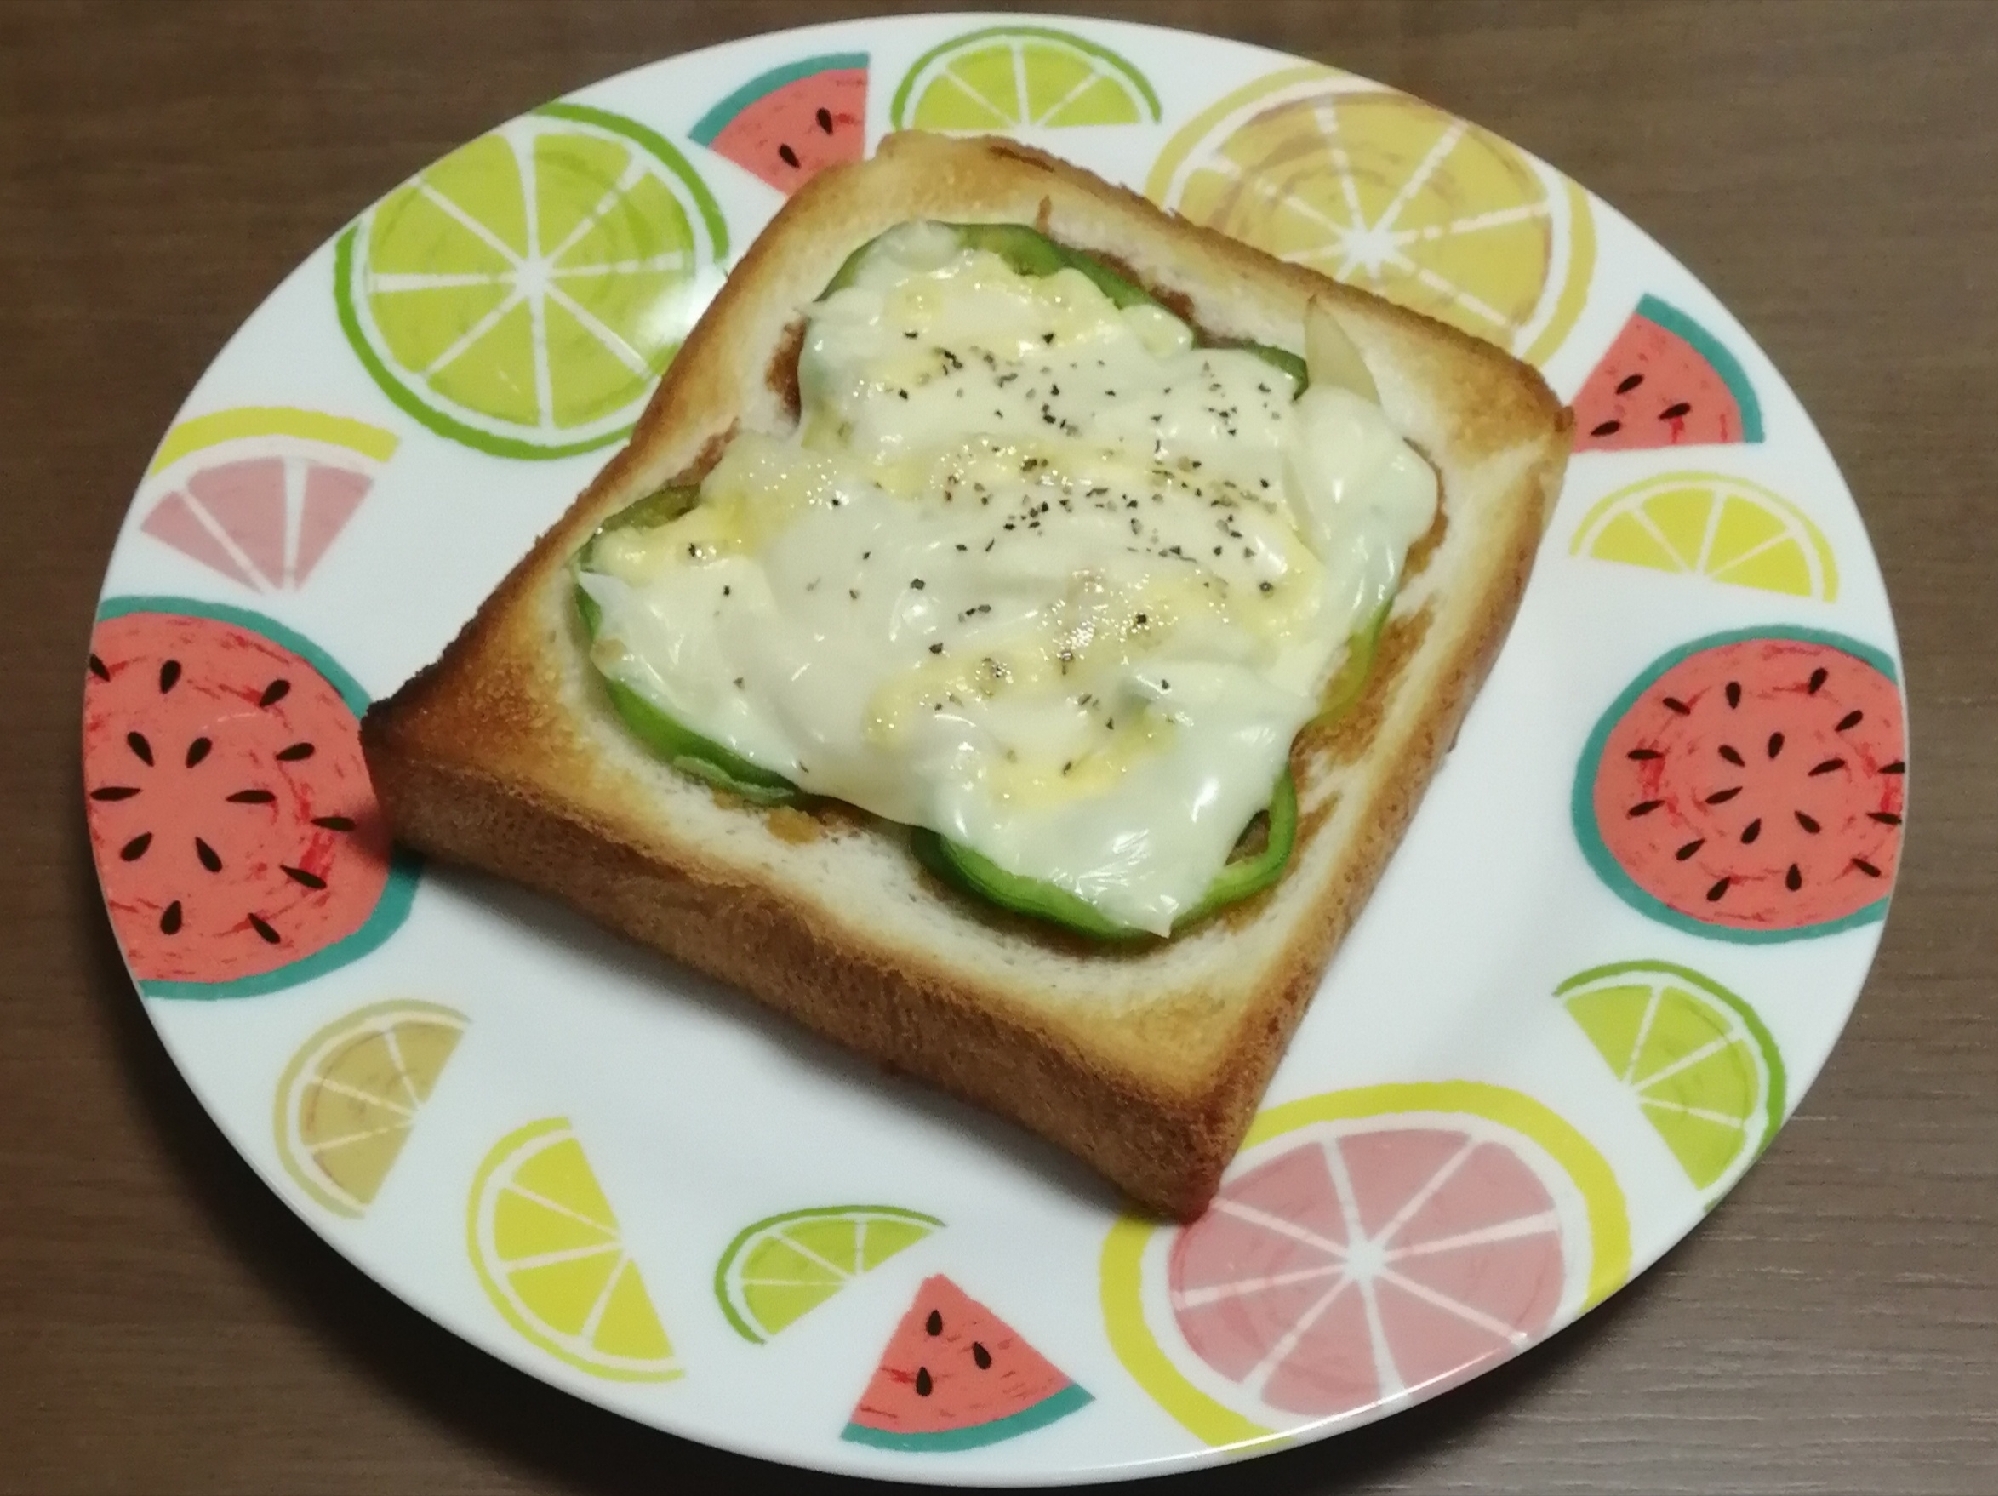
(1558,1033)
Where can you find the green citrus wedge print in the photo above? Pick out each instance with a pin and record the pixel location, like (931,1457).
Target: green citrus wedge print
(782,1267)
(1367,1248)
(546,1246)
(522,295)
(1711,525)
(348,1099)
(1693,1055)
(1012,77)
(1382,191)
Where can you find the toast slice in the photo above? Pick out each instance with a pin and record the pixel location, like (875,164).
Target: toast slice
(1147,1062)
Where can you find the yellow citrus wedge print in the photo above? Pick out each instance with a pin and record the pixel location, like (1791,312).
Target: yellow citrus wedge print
(1010,77)
(522,294)
(1712,525)
(348,1099)
(1385,192)
(779,1269)
(547,1249)
(1693,1056)
(1368,1248)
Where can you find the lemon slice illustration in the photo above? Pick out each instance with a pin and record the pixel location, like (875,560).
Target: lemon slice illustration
(547,1249)
(1383,191)
(1714,526)
(348,1099)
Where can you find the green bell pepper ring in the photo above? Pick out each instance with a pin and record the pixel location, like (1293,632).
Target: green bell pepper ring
(682,747)
(1027,252)
(975,873)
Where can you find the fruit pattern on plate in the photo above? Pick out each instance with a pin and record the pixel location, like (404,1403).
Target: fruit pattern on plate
(522,295)
(236,835)
(1021,77)
(1665,382)
(1387,193)
(957,1376)
(779,1269)
(1749,786)
(1713,525)
(788,124)
(348,1099)
(258,493)
(547,1249)
(1368,1247)
(1696,1058)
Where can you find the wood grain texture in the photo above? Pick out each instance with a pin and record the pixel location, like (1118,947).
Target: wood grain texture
(166,1325)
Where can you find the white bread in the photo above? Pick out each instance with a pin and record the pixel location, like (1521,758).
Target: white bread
(1147,1062)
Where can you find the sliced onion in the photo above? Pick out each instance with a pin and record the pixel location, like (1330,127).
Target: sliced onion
(1331,356)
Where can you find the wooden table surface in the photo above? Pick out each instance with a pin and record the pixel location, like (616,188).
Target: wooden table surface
(166,1324)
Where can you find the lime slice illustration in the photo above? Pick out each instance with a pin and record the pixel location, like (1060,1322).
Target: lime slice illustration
(1008,77)
(523,294)
(778,1269)
(1693,1056)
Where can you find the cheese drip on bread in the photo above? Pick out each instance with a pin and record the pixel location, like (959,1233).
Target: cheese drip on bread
(1035,572)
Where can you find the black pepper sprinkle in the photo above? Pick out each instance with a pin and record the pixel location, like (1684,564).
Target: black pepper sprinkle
(917,583)
(1266,586)
(936,649)
(725,591)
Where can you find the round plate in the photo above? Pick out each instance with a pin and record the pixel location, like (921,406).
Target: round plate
(1658,858)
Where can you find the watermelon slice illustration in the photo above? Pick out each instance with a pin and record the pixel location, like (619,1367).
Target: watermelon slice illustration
(1665,382)
(236,835)
(259,493)
(1749,786)
(789,124)
(956,1376)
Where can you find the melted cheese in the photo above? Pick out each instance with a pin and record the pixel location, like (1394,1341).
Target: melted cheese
(1034,572)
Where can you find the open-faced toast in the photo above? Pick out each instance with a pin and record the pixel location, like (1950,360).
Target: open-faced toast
(1146,1059)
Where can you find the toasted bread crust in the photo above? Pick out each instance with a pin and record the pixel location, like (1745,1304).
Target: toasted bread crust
(1146,1063)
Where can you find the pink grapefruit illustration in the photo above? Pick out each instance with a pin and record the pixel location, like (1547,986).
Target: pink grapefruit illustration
(1369,1248)
(260,493)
